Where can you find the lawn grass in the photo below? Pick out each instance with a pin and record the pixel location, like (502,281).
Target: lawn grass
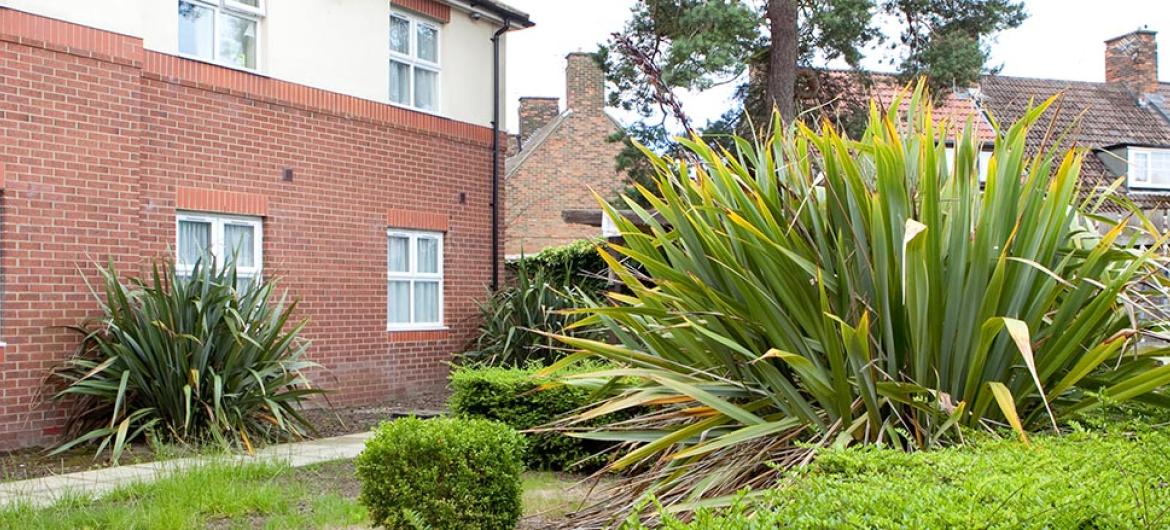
(263,495)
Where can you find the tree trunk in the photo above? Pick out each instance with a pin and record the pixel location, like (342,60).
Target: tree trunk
(781,92)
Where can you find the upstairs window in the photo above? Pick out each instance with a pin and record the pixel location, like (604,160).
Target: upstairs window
(1149,168)
(221,31)
(224,237)
(414,62)
(414,266)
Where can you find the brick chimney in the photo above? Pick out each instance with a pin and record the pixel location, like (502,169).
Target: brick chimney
(584,83)
(536,113)
(1132,60)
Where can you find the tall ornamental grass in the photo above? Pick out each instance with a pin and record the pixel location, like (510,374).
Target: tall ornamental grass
(188,358)
(809,290)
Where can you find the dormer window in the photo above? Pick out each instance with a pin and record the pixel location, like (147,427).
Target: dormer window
(1149,168)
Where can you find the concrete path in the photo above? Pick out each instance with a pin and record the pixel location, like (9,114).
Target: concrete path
(47,490)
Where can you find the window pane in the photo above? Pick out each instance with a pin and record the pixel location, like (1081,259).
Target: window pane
(1138,171)
(399,35)
(252,3)
(984,164)
(428,255)
(194,240)
(244,282)
(428,43)
(399,82)
(195,27)
(398,302)
(237,41)
(426,84)
(426,302)
(399,256)
(1160,168)
(239,241)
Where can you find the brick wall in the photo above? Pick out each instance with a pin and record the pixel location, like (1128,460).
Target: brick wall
(536,113)
(1132,60)
(563,170)
(101,141)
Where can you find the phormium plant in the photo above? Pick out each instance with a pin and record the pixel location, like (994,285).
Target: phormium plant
(187,357)
(812,290)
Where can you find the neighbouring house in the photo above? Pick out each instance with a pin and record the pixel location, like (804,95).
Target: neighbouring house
(345,147)
(1124,121)
(561,158)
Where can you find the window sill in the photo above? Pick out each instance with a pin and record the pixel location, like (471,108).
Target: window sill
(229,66)
(435,327)
(418,334)
(435,113)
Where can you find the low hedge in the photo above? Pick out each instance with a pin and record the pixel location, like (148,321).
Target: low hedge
(512,396)
(442,473)
(1082,480)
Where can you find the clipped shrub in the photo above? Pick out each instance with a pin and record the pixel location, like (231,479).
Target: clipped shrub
(577,264)
(187,357)
(513,317)
(442,473)
(513,396)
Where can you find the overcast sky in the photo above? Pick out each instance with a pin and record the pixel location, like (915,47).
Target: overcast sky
(1061,39)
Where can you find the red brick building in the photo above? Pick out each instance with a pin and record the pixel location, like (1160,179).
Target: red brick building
(111,149)
(563,158)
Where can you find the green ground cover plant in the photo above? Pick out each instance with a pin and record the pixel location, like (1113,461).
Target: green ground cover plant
(1083,480)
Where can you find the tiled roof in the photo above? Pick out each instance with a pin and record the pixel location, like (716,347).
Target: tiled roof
(1109,114)
(955,109)
(1094,115)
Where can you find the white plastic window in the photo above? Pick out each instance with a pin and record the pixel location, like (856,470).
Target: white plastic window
(414,62)
(414,273)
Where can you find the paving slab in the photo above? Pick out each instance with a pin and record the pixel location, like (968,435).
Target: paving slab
(44,491)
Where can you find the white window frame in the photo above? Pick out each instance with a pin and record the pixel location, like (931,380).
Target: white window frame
(412,275)
(235,9)
(411,59)
(1131,164)
(218,221)
(982,162)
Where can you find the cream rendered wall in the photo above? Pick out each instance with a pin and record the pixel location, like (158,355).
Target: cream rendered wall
(336,45)
(467,69)
(118,16)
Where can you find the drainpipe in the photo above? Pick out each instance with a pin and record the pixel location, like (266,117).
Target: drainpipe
(496,154)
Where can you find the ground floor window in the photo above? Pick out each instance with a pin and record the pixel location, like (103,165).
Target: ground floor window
(414,293)
(227,238)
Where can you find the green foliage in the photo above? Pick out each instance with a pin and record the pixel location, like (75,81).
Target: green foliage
(1079,481)
(813,290)
(575,264)
(190,359)
(442,473)
(515,322)
(697,44)
(520,399)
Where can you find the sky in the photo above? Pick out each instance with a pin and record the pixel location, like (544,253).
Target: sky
(1061,39)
